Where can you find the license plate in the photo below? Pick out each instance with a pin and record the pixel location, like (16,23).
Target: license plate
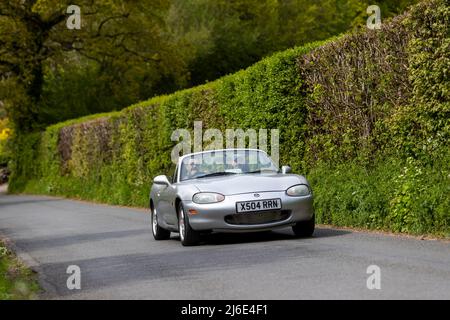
(258,205)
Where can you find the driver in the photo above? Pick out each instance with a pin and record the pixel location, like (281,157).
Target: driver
(192,169)
(236,165)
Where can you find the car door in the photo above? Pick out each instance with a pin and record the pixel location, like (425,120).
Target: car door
(167,197)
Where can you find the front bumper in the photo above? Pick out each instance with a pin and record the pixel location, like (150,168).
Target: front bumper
(213,216)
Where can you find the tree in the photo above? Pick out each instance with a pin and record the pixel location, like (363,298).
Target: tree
(218,37)
(128,51)
(117,35)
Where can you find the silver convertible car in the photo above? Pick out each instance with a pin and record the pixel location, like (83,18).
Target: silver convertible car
(231,190)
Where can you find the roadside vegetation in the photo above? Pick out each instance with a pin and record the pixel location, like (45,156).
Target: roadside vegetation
(16,280)
(130,51)
(5,154)
(126,52)
(364,115)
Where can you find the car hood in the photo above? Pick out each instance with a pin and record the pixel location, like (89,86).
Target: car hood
(243,183)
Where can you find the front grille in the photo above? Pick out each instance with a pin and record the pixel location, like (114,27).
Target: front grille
(258,217)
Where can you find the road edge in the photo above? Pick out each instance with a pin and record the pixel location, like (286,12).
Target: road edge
(48,289)
(423,237)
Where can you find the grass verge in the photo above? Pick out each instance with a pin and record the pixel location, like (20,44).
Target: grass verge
(17,282)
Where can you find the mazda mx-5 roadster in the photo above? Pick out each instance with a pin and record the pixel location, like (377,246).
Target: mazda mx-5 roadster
(231,190)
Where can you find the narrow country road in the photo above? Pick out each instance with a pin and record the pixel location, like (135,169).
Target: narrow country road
(119,259)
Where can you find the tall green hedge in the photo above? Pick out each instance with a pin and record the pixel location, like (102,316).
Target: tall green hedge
(364,116)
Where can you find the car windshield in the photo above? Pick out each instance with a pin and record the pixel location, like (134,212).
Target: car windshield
(225,162)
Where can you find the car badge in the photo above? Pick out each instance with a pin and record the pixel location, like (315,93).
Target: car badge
(256,195)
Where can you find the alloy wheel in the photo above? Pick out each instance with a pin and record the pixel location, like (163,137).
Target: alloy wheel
(154,221)
(181,225)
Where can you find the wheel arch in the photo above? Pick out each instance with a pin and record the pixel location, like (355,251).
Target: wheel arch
(151,204)
(177,204)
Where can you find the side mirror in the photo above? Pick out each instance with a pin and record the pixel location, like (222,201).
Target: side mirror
(286,169)
(161,180)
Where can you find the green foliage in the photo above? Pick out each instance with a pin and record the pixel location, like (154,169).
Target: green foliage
(423,127)
(16,281)
(217,37)
(5,153)
(409,184)
(124,40)
(351,195)
(5,134)
(399,195)
(343,110)
(129,51)
(353,86)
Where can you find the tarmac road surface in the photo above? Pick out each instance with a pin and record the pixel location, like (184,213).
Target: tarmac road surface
(118,258)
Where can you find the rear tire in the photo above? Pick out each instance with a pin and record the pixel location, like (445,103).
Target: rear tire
(188,236)
(158,232)
(304,229)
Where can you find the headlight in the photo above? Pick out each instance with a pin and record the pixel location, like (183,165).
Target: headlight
(298,190)
(207,197)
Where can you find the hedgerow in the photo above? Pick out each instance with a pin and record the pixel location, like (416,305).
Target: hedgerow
(364,116)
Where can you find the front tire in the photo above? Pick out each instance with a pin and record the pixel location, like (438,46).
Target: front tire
(158,232)
(188,236)
(305,229)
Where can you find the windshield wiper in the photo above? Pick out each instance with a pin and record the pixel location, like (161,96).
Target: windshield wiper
(215,174)
(260,171)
